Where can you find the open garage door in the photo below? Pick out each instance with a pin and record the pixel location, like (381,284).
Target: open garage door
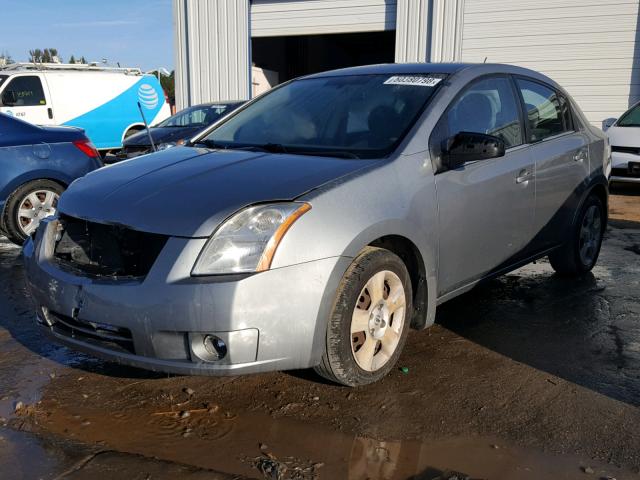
(292,38)
(590,47)
(278,18)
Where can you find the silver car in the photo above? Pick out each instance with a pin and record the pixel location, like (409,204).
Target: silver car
(319,223)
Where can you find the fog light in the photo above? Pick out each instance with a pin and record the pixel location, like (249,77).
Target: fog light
(214,346)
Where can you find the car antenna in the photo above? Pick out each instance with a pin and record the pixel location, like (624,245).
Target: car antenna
(485,59)
(146,126)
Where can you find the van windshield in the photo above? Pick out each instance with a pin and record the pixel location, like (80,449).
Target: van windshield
(355,116)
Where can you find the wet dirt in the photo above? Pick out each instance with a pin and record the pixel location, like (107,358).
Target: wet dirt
(528,376)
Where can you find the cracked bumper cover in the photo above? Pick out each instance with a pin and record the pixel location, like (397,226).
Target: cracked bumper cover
(274,320)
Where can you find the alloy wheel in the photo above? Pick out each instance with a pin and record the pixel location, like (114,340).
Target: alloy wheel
(34,207)
(590,235)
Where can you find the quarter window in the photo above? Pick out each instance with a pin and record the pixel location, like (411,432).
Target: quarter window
(488,106)
(27,91)
(547,114)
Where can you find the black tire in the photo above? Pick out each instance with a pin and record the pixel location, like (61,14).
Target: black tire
(10,223)
(568,260)
(132,131)
(338,362)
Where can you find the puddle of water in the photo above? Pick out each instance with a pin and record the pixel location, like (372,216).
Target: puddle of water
(24,456)
(238,444)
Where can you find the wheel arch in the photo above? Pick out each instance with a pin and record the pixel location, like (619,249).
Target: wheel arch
(136,127)
(410,254)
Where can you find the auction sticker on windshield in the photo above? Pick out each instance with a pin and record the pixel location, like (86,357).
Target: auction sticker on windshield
(417,80)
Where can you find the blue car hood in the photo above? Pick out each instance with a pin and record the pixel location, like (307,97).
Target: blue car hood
(188,192)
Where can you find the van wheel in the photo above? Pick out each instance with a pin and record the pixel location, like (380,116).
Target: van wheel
(29,204)
(370,319)
(580,254)
(132,131)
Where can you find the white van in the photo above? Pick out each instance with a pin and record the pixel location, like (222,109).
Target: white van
(101,100)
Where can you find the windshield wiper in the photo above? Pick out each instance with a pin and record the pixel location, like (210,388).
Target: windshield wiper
(327,153)
(265,147)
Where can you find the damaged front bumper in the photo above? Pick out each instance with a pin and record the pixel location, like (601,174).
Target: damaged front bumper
(274,320)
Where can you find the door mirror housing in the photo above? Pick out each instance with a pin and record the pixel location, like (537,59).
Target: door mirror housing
(466,147)
(608,123)
(9,98)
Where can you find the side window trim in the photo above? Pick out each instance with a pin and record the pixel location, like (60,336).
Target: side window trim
(524,125)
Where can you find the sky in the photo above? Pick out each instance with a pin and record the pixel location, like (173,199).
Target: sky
(136,33)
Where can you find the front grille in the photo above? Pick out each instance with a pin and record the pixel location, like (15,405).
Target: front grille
(99,250)
(99,334)
(632,150)
(625,172)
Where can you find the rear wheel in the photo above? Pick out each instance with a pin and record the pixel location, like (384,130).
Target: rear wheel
(29,204)
(370,319)
(580,254)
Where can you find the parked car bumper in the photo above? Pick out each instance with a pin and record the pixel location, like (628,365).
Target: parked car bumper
(273,320)
(625,167)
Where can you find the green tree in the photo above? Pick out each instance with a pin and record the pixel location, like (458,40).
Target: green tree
(72,59)
(82,60)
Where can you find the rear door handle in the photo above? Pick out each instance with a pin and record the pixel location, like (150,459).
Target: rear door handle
(50,112)
(524,176)
(581,155)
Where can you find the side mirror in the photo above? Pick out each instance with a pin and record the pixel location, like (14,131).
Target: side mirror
(9,98)
(468,146)
(608,123)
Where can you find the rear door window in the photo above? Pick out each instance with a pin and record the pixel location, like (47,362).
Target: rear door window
(546,112)
(27,91)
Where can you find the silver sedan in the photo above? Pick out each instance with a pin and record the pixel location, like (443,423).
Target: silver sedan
(319,223)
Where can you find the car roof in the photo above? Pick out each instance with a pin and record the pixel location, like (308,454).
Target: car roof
(395,68)
(223,102)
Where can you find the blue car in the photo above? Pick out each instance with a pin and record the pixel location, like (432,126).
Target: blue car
(38,163)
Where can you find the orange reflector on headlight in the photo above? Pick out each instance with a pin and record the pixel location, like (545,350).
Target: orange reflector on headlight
(272,246)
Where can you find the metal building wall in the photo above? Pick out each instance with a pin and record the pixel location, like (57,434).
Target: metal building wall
(271,18)
(212,51)
(590,47)
(413,29)
(429,30)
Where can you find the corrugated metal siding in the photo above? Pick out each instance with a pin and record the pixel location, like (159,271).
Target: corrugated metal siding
(447,28)
(271,18)
(212,51)
(590,47)
(413,30)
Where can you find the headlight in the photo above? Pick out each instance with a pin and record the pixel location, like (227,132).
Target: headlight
(248,240)
(164,146)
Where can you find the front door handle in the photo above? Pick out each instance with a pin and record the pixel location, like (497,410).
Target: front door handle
(524,176)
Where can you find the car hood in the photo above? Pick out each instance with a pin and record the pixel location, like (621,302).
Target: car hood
(161,135)
(624,136)
(188,192)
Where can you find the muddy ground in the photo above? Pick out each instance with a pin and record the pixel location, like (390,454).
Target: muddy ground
(528,377)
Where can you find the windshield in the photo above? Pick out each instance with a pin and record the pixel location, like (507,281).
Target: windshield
(199,116)
(631,118)
(363,116)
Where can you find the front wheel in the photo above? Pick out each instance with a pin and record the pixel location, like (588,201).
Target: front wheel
(29,204)
(370,319)
(580,254)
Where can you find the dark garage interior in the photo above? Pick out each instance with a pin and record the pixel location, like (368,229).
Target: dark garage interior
(294,56)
